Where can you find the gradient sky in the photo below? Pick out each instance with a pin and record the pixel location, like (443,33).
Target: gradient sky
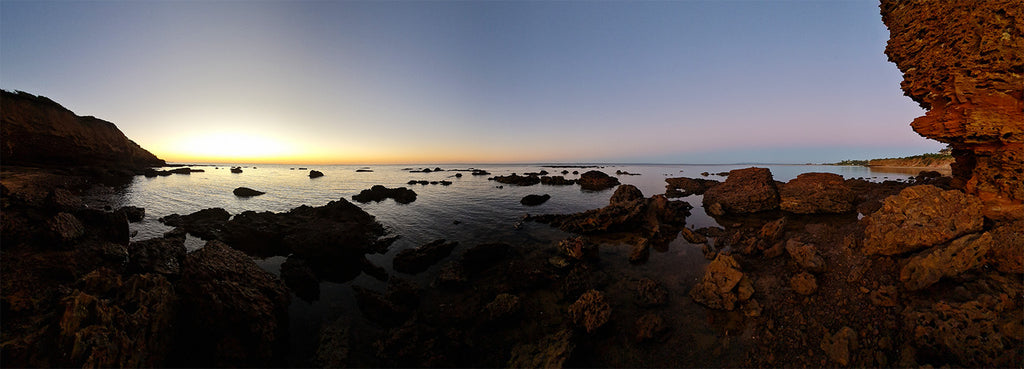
(460,81)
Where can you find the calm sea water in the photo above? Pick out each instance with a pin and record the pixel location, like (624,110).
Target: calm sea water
(472,210)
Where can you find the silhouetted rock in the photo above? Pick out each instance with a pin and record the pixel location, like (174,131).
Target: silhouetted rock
(203,223)
(747,190)
(236,169)
(315,174)
(480,172)
(597,181)
(416,260)
(556,181)
(815,193)
(920,216)
(534,200)
(133,213)
(378,193)
(515,179)
(247,192)
(682,186)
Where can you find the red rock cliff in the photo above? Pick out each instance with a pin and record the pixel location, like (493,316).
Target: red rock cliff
(37,131)
(963,61)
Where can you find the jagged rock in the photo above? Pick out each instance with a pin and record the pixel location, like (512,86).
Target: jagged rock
(37,130)
(503,306)
(590,311)
(806,255)
(625,195)
(918,217)
(157,255)
(804,283)
(233,312)
(550,352)
(683,186)
(840,345)
(693,237)
(885,296)
(962,254)
(597,181)
(378,193)
(816,193)
(720,286)
(515,179)
(534,200)
(1007,252)
(969,334)
(650,293)
(246,192)
(650,326)
(412,261)
(315,174)
(962,62)
(63,200)
(747,190)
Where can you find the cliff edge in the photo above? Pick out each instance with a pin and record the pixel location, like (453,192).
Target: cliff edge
(962,61)
(39,131)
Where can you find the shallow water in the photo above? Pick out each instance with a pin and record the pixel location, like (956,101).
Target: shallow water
(472,210)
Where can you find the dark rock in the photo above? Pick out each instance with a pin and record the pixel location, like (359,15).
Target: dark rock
(157,255)
(134,214)
(693,237)
(380,309)
(816,193)
(804,283)
(204,223)
(682,186)
(723,284)
(650,293)
(480,172)
(773,231)
(590,311)
(233,312)
(552,351)
(806,255)
(515,179)
(624,173)
(650,326)
(1007,251)
(920,216)
(747,190)
(973,333)
(180,171)
(364,170)
(556,181)
(300,278)
(452,275)
(315,174)
(65,228)
(378,193)
(839,347)
(412,261)
(239,170)
(577,248)
(655,217)
(711,231)
(503,306)
(534,200)
(597,181)
(104,225)
(247,192)
(640,252)
(481,256)
(625,195)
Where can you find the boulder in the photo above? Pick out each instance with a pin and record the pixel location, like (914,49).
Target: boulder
(975,333)
(816,193)
(625,195)
(315,174)
(534,200)
(412,261)
(247,192)
(919,217)
(65,228)
(378,193)
(556,181)
(723,284)
(590,311)
(960,255)
(233,312)
(683,186)
(597,181)
(627,211)
(747,190)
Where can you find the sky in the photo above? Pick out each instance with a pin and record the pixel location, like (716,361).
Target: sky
(367,82)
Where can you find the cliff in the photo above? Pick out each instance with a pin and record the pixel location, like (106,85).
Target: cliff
(963,62)
(39,131)
(927,161)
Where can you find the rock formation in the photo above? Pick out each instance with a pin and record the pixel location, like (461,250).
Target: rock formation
(962,61)
(747,190)
(39,131)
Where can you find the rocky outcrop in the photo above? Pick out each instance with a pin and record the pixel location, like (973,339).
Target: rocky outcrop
(962,254)
(312,173)
(595,180)
(747,190)
(919,217)
(246,192)
(627,210)
(378,193)
(962,62)
(518,180)
(39,131)
(534,200)
(723,285)
(683,186)
(816,193)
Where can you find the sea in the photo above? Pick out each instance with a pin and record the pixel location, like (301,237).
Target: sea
(471,210)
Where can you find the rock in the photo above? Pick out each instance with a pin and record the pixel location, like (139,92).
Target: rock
(480,172)
(412,261)
(481,256)
(451,275)
(718,289)
(650,293)
(969,80)
(747,190)
(711,231)
(378,193)
(180,171)
(364,170)
(335,345)
(962,254)
(534,200)
(63,200)
(627,211)
(65,228)
(816,193)
(315,174)
(39,131)
(590,311)
(557,181)
(918,217)
(134,214)
(514,179)
(886,296)
(550,352)
(384,310)
(504,305)
(650,326)
(204,223)
(806,255)
(239,170)
(1007,252)
(577,248)
(625,195)
(300,278)
(772,231)
(840,345)
(597,181)
(804,283)
(157,255)
(682,186)
(640,252)
(247,192)
(693,237)
(233,312)
(969,334)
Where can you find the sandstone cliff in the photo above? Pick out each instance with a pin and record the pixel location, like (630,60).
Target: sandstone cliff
(39,131)
(964,62)
(931,161)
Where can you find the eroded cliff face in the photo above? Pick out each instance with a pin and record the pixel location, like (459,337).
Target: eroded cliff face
(39,131)
(963,61)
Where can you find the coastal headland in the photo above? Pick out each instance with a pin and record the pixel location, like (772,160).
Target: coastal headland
(818,271)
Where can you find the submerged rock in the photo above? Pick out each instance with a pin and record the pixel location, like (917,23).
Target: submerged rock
(749,190)
(378,193)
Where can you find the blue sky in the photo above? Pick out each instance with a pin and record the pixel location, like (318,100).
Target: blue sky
(459,81)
